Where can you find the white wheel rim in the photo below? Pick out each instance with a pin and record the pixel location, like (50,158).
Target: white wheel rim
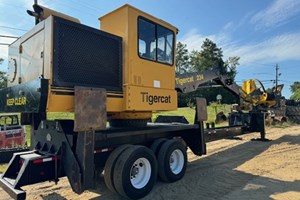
(140,173)
(176,161)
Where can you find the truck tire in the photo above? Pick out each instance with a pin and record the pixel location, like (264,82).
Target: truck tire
(98,172)
(135,172)
(172,161)
(293,111)
(156,145)
(110,165)
(294,119)
(128,122)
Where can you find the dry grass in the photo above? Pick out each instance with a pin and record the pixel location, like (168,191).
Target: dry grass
(3,168)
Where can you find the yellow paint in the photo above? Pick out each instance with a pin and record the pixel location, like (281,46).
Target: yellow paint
(256,94)
(65,103)
(147,85)
(150,99)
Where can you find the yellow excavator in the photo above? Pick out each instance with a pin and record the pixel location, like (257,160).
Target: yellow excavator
(254,92)
(252,95)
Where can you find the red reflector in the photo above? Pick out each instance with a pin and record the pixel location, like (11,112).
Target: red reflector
(38,161)
(46,159)
(103,150)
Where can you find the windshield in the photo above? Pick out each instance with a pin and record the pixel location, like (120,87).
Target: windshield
(155,42)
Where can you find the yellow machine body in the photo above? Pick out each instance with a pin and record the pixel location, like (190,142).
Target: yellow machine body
(148,85)
(148,81)
(254,92)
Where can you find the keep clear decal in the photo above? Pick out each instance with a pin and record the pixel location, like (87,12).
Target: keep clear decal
(16,101)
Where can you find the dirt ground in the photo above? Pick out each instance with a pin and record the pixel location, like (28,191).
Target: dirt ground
(233,169)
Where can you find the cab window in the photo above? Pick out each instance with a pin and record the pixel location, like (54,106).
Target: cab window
(156,42)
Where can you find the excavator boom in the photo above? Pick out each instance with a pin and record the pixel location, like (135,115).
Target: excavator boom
(251,92)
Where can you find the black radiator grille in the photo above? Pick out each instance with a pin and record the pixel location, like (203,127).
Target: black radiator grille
(84,56)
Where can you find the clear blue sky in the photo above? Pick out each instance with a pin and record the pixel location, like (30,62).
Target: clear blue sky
(261,33)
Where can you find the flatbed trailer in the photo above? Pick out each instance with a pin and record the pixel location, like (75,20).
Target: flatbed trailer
(59,151)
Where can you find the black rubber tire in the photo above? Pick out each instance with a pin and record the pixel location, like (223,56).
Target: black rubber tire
(165,173)
(110,166)
(128,122)
(122,172)
(294,119)
(98,172)
(293,111)
(156,145)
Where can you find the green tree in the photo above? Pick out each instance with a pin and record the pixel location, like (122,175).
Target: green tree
(3,77)
(182,58)
(231,64)
(211,58)
(197,61)
(295,86)
(295,89)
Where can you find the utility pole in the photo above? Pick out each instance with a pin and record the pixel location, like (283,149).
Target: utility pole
(276,79)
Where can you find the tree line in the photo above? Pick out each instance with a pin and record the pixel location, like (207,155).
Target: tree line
(295,89)
(3,76)
(210,57)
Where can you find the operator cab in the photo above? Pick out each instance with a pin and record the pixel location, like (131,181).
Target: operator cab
(148,58)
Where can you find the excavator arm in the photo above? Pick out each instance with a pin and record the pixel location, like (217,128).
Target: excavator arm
(191,82)
(252,92)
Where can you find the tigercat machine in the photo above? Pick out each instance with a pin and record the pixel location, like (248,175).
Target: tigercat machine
(59,54)
(120,74)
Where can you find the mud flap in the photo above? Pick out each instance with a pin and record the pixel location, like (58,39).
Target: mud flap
(90,109)
(90,115)
(71,168)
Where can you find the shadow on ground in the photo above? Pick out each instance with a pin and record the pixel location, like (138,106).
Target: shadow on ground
(215,177)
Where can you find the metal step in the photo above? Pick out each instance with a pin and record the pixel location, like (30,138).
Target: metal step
(10,180)
(16,194)
(30,156)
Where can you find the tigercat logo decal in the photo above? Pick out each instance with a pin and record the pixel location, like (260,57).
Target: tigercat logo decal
(16,101)
(182,81)
(151,99)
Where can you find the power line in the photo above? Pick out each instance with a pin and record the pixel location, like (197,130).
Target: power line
(287,81)
(5,44)
(254,63)
(46,2)
(19,29)
(76,9)
(8,36)
(13,5)
(89,6)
